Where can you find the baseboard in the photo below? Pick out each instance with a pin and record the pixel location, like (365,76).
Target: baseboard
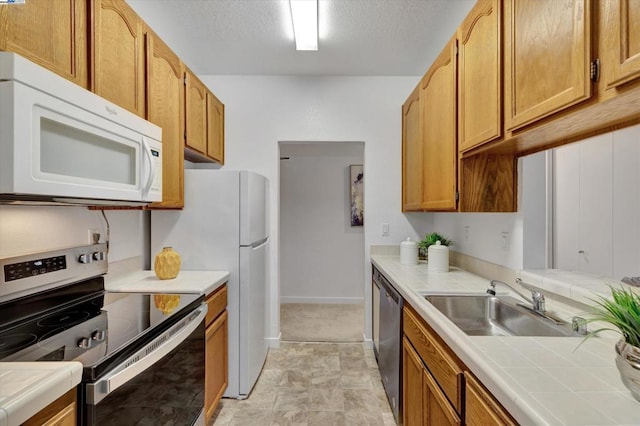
(321,300)
(367,343)
(274,342)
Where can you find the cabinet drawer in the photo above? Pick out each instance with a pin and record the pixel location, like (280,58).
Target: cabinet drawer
(216,303)
(441,362)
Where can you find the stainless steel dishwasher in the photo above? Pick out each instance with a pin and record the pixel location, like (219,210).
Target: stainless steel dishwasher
(389,349)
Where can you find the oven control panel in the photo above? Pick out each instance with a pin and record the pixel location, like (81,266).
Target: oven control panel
(15,271)
(23,275)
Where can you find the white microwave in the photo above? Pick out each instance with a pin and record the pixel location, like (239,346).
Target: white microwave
(60,143)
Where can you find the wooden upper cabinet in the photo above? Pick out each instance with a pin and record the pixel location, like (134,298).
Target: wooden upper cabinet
(165,108)
(547,57)
(196,117)
(621,58)
(52,34)
(480,75)
(118,72)
(438,109)
(412,153)
(215,128)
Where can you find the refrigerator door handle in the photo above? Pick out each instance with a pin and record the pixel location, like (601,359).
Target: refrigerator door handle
(258,243)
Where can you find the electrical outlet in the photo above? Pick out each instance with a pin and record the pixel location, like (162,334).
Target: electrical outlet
(466,232)
(385,229)
(94,235)
(505,240)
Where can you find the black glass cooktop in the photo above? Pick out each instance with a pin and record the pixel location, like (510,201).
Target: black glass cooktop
(83,323)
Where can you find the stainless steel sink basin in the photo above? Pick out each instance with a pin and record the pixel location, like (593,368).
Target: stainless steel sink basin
(485,315)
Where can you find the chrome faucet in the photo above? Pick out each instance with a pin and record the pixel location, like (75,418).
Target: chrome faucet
(536,299)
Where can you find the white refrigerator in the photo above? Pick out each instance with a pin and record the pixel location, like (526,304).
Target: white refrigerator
(223,227)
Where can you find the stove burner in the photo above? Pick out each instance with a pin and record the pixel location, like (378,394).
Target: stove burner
(14,342)
(63,318)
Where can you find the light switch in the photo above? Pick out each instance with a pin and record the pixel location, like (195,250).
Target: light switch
(385,229)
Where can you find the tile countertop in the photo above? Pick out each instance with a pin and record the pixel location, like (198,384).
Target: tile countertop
(28,387)
(539,380)
(203,282)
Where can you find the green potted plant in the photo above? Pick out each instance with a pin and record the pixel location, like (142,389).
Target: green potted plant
(430,239)
(622,314)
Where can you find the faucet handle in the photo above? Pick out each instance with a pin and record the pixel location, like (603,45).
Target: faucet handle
(579,325)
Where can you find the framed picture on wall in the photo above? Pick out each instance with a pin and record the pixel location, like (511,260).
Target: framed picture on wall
(357,195)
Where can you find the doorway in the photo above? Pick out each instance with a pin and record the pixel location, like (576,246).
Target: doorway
(321,251)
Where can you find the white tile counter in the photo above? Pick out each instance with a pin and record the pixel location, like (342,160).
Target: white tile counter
(202,282)
(28,387)
(539,380)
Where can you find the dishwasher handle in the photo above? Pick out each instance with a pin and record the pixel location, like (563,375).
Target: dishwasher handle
(389,291)
(146,357)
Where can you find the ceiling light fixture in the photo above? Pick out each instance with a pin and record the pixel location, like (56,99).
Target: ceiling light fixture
(304,15)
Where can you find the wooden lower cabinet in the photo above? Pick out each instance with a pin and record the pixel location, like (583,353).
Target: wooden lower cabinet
(481,407)
(424,402)
(61,412)
(216,351)
(437,388)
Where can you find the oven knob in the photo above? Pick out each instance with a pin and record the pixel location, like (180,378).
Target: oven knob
(84,258)
(98,255)
(98,335)
(84,343)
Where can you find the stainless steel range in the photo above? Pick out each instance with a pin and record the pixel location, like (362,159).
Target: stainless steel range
(143,354)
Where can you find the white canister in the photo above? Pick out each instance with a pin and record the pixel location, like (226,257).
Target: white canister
(438,257)
(409,252)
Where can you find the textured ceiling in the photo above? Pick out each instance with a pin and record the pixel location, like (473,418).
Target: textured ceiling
(357,37)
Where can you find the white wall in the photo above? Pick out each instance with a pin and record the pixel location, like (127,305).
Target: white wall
(597,204)
(31,229)
(320,252)
(262,110)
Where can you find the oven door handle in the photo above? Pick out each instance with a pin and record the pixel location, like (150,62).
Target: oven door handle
(146,357)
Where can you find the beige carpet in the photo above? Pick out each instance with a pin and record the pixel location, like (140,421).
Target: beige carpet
(307,322)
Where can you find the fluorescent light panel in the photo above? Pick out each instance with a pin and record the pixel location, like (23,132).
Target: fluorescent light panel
(304,14)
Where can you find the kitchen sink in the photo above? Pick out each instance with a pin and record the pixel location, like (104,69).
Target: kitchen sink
(486,315)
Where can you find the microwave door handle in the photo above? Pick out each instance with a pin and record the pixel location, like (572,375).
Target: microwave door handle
(152,172)
(96,392)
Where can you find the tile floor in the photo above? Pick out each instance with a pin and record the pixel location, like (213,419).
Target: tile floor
(315,322)
(313,384)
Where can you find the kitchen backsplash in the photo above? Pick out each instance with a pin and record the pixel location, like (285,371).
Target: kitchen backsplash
(30,229)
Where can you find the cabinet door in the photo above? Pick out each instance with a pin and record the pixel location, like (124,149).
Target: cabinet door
(412,153)
(438,100)
(622,32)
(436,407)
(196,116)
(165,108)
(118,55)
(52,34)
(479,75)
(216,364)
(412,386)
(481,408)
(547,56)
(61,412)
(215,128)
